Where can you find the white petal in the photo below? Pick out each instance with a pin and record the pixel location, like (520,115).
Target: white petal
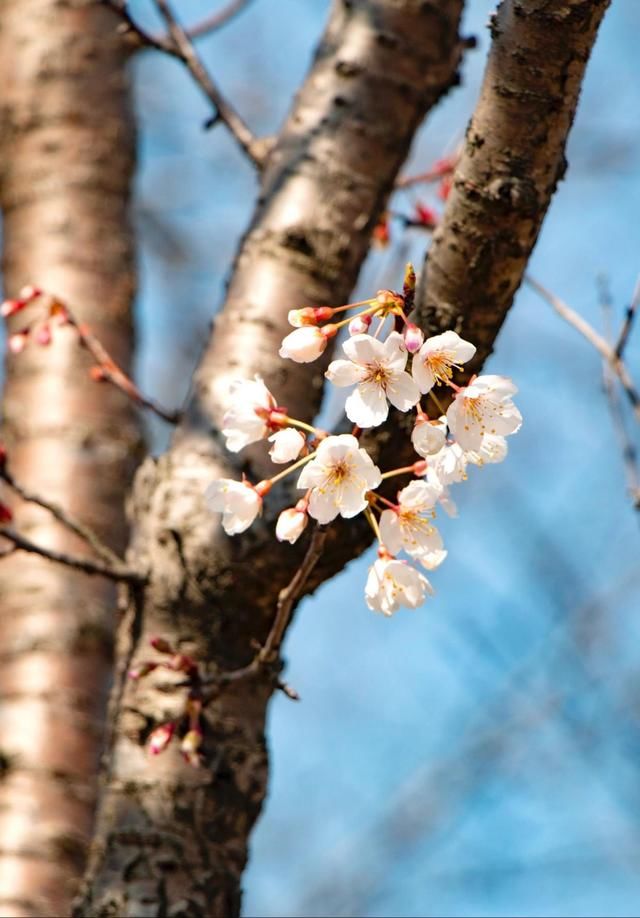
(420,495)
(402,392)
(322,506)
(303,345)
(363,349)
(395,352)
(390,531)
(424,378)
(428,437)
(344,373)
(367,406)
(352,500)
(461,350)
(291,524)
(432,560)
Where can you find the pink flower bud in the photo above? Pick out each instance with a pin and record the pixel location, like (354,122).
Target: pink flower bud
(30,292)
(5,514)
(306,344)
(191,742)
(161,645)
(161,737)
(43,335)
(3,457)
(18,342)
(183,664)
(309,315)
(11,307)
(139,672)
(359,325)
(413,338)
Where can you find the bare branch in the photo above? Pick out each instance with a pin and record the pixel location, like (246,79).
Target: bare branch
(215,21)
(629,318)
(119,572)
(599,343)
(180,46)
(76,526)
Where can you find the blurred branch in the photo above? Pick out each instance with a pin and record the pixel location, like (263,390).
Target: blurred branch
(118,572)
(76,526)
(599,343)
(215,21)
(628,321)
(179,45)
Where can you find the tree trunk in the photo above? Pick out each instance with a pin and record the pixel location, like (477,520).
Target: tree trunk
(173,839)
(66,160)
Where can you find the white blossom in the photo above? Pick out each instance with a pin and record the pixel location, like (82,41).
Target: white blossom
(246,420)
(428,437)
(449,464)
(392,584)
(340,474)
(287,445)
(437,358)
(410,527)
(483,407)
(493,448)
(238,501)
(291,524)
(378,369)
(304,344)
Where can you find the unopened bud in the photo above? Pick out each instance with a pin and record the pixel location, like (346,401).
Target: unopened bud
(425,216)
(43,335)
(420,467)
(11,307)
(161,737)
(5,514)
(359,325)
(381,235)
(309,315)
(161,645)
(97,374)
(191,742)
(139,672)
(18,342)
(3,457)
(182,663)
(413,338)
(30,292)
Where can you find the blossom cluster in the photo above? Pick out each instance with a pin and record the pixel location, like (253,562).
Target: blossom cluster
(336,474)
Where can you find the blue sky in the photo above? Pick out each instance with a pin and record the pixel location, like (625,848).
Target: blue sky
(480,756)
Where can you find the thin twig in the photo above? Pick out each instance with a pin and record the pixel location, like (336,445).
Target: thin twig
(627,446)
(287,598)
(111,372)
(599,343)
(629,318)
(215,21)
(74,525)
(118,572)
(180,46)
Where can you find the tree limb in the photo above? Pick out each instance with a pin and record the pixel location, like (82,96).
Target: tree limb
(217,19)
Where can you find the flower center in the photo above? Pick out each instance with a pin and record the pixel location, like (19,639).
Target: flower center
(441,364)
(339,472)
(378,374)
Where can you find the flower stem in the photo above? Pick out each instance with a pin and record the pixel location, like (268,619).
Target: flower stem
(375,308)
(316,431)
(373,523)
(292,468)
(401,471)
(437,401)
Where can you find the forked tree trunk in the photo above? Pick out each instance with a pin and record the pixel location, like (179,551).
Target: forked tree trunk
(66,159)
(173,839)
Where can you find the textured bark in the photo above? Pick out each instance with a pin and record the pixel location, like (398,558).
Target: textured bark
(173,839)
(513,159)
(66,158)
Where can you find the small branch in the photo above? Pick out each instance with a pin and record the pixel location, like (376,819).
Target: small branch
(76,526)
(118,572)
(287,598)
(629,318)
(215,21)
(111,372)
(180,46)
(592,336)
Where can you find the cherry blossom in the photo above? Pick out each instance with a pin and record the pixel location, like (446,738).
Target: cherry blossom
(378,369)
(410,527)
(340,474)
(287,445)
(392,584)
(493,448)
(428,437)
(438,357)
(449,464)
(238,501)
(484,407)
(291,524)
(246,420)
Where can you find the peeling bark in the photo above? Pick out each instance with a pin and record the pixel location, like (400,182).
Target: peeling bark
(173,839)
(513,159)
(66,159)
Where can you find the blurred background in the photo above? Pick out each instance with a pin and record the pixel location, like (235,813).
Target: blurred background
(480,756)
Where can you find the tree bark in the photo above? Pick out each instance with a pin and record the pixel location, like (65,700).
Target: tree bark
(173,839)
(513,159)
(66,161)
